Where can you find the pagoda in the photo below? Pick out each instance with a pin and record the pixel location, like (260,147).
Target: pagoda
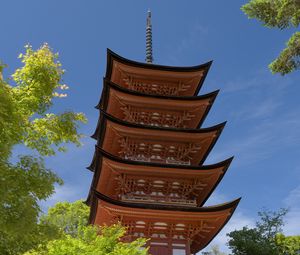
(148,171)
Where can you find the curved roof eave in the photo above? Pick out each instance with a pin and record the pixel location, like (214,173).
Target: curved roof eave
(109,84)
(112,55)
(94,167)
(229,205)
(218,127)
(98,150)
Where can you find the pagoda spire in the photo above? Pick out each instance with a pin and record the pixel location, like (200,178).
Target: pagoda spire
(149,57)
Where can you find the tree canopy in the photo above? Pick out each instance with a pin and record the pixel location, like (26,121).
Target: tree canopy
(279,14)
(288,245)
(75,237)
(90,242)
(25,119)
(259,240)
(67,217)
(265,238)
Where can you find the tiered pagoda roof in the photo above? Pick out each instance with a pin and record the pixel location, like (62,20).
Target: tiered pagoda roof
(168,226)
(156,110)
(155,144)
(148,162)
(136,181)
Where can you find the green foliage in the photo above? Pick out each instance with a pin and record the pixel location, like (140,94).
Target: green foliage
(67,217)
(53,130)
(90,242)
(23,112)
(24,119)
(76,238)
(10,123)
(22,186)
(250,241)
(261,239)
(37,80)
(288,245)
(274,13)
(280,14)
(17,244)
(289,58)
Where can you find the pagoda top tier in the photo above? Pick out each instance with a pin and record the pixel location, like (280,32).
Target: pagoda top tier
(155,79)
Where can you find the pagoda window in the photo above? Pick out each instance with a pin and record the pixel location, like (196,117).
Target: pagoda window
(157,119)
(179,252)
(155,87)
(180,227)
(160,153)
(140,224)
(160,225)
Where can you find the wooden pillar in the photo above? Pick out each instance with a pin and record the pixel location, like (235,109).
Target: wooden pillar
(188,247)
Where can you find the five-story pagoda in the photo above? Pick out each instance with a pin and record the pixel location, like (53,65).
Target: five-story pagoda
(148,163)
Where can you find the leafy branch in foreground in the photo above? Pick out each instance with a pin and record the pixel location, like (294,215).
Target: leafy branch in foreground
(288,244)
(280,14)
(74,237)
(25,120)
(89,242)
(289,58)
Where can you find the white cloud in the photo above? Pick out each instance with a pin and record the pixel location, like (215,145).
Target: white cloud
(261,96)
(257,119)
(193,37)
(246,150)
(216,198)
(259,109)
(262,141)
(238,221)
(259,81)
(292,201)
(292,222)
(63,193)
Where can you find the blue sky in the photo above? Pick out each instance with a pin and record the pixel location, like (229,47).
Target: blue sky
(262,110)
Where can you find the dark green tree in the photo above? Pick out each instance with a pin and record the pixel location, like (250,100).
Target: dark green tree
(259,240)
(281,14)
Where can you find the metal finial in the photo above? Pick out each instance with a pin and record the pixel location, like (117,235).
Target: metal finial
(149,57)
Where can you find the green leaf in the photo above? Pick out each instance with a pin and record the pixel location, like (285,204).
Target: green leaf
(24,120)
(289,58)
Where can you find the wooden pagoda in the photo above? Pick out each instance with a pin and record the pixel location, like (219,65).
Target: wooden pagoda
(148,161)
